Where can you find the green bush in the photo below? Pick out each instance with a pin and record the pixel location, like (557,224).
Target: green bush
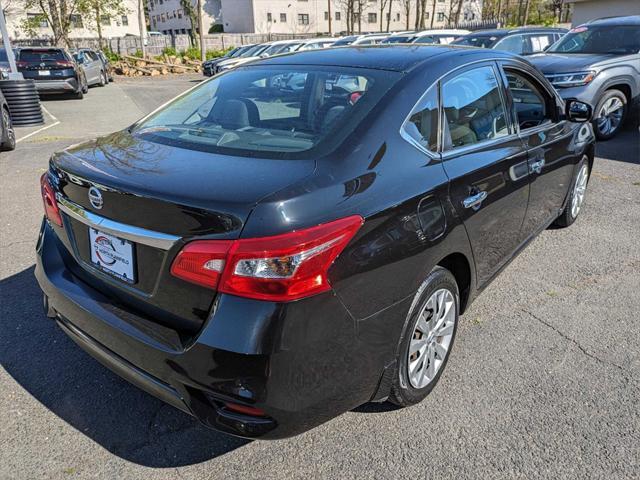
(192,52)
(110,54)
(170,51)
(138,53)
(216,53)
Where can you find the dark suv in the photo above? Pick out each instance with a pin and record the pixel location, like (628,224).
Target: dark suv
(522,41)
(54,70)
(598,63)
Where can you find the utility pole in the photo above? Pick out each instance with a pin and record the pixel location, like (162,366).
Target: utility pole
(329,10)
(143,28)
(14,75)
(203,48)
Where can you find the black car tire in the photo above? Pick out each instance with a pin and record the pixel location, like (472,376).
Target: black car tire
(607,96)
(9,140)
(567,217)
(103,79)
(403,393)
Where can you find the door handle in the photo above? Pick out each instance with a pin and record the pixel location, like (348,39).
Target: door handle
(536,167)
(474,201)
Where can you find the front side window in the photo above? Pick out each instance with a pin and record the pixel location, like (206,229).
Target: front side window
(422,125)
(529,102)
(269,112)
(473,108)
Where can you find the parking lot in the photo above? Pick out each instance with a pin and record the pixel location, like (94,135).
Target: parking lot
(544,380)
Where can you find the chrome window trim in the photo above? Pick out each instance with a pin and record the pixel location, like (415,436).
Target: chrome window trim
(160,240)
(477,146)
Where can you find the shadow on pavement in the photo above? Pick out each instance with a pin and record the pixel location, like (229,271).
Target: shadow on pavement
(625,147)
(124,420)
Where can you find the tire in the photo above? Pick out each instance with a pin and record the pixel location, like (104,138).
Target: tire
(575,200)
(85,86)
(103,79)
(409,387)
(607,125)
(79,95)
(9,141)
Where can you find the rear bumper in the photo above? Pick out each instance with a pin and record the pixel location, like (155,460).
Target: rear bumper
(67,85)
(301,363)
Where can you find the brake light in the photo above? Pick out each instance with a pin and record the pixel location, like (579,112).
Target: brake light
(64,63)
(20,64)
(281,268)
(51,210)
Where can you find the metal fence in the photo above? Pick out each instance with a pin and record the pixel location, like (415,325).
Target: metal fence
(157,43)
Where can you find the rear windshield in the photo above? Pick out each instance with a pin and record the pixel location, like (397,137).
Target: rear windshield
(42,55)
(482,41)
(618,40)
(273,112)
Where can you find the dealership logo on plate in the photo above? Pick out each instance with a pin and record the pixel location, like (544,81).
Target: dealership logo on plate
(95,198)
(105,251)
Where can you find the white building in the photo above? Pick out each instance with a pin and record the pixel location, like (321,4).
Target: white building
(169,16)
(312,16)
(16,14)
(585,10)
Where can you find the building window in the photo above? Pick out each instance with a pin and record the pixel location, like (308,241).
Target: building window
(125,21)
(372,17)
(105,20)
(397,16)
(154,22)
(440,17)
(150,4)
(75,21)
(180,13)
(37,19)
(283,18)
(426,15)
(162,17)
(338,16)
(326,16)
(269,17)
(303,18)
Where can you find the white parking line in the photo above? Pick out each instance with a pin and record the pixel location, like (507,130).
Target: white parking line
(55,122)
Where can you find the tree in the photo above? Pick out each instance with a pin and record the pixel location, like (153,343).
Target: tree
(192,15)
(95,10)
(389,14)
(406,8)
(433,12)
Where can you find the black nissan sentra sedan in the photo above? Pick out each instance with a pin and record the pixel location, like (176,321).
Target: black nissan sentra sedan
(297,237)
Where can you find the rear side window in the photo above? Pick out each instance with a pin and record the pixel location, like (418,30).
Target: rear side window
(272,112)
(42,55)
(513,44)
(537,43)
(473,108)
(422,125)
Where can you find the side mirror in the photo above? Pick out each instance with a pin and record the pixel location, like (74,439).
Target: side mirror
(578,112)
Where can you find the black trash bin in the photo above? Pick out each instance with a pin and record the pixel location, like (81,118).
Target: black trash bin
(24,102)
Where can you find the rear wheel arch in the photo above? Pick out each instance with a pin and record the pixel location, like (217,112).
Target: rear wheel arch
(460,267)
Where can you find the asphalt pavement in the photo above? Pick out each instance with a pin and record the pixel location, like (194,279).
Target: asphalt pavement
(544,380)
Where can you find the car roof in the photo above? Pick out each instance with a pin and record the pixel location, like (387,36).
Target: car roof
(424,33)
(501,32)
(399,58)
(616,21)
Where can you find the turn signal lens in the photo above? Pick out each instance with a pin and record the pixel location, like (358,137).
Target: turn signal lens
(244,409)
(279,268)
(51,210)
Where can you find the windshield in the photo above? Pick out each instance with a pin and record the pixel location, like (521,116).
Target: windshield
(269,111)
(399,39)
(481,41)
(618,40)
(3,55)
(252,51)
(345,41)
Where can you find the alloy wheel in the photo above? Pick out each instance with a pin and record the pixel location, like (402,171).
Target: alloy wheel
(431,338)
(6,126)
(610,116)
(579,190)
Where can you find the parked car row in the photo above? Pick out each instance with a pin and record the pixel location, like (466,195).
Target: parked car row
(57,71)
(597,63)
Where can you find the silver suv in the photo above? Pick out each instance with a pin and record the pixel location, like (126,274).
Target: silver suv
(598,63)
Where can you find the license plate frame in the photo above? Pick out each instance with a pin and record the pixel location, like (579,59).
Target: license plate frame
(44,73)
(113,255)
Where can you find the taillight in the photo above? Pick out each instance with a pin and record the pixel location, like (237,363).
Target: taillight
(51,210)
(64,63)
(21,64)
(280,268)
(202,262)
